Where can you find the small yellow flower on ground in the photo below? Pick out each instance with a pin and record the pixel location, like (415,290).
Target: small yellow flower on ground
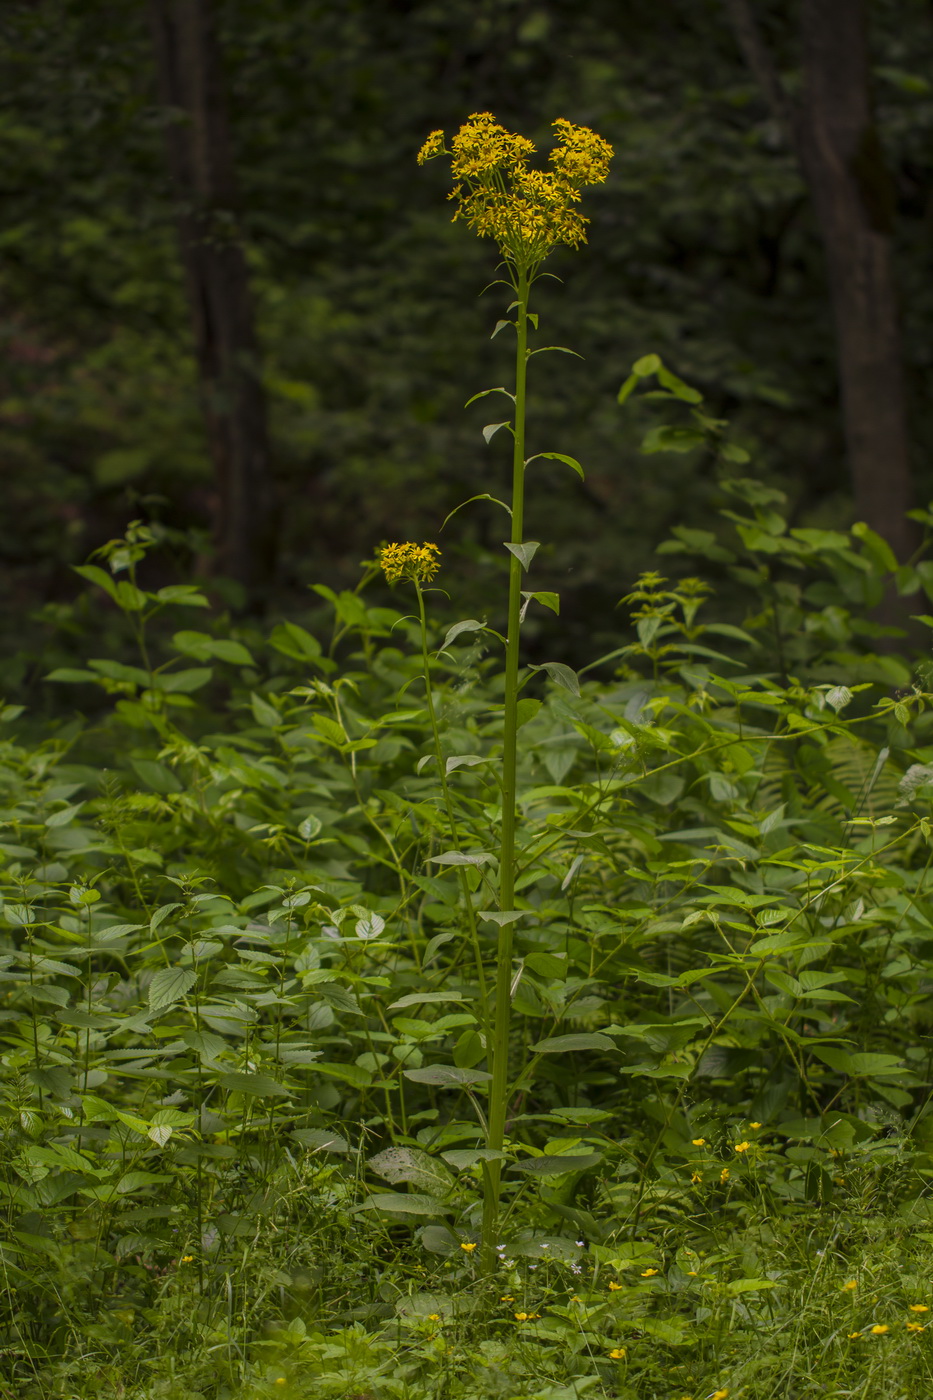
(434,1317)
(699,1142)
(719,1394)
(695,1178)
(848,1287)
(691,1273)
(919,1307)
(526,1317)
(879,1329)
(756,1126)
(507,1298)
(649,1273)
(915,1327)
(574,1298)
(616,1287)
(187,1258)
(618,1354)
(724,1176)
(742,1146)
(854,1335)
(467,1248)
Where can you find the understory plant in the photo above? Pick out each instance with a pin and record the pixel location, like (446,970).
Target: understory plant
(383,1016)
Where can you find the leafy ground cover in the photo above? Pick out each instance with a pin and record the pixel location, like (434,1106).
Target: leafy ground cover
(243,1039)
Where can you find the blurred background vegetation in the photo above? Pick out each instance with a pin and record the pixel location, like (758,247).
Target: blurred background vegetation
(231,304)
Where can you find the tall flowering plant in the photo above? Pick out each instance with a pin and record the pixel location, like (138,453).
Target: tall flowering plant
(527,212)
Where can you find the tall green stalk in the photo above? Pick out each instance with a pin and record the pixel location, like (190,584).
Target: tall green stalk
(499,1049)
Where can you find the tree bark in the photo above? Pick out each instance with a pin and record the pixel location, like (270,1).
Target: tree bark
(833,133)
(853,196)
(197,139)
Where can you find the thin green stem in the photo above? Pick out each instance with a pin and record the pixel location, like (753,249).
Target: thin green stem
(451,818)
(499,1058)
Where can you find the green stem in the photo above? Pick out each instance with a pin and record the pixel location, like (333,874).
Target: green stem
(451,818)
(498,1089)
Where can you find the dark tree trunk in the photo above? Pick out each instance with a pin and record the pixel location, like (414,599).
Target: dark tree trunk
(198,149)
(837,145)
(853,197)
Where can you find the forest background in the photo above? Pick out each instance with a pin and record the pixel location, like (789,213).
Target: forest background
(231,306)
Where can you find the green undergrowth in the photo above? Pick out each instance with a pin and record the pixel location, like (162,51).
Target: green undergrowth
(247,947)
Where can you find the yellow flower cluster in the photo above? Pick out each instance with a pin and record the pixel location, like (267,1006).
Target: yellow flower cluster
(528,212)
(418,562)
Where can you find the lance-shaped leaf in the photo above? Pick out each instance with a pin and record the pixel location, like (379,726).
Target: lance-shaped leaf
(483,393)
(447,1076)
(462,858)
(559,457)
(563,1044)
(463,760)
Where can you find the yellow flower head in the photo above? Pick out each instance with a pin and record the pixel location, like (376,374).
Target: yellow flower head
(418,562)
(699,1142)
(919,1307)
(848,1287)
(649,1273)
(467,1248)
(507,1298)
(434,146)
(742,1146)
(187,1258)
(724,1176)
(526,1317)
(695,1178)
(915,1327)
(754,1125)
(854,1336)
(615,1287)
(434,1317)
(618,1354)
(879,1329)
(719,1394)
(528,212)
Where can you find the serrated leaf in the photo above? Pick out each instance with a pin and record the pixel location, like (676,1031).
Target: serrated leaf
(564,1044)
(412,1204)
(410,1165)
(370,927)
(320,1140)
(462,858)
(259,1085)
(170,985)
(557,1166)
(447,1075)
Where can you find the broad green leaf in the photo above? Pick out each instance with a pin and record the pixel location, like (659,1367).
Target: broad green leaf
(261,1086)
(525,552)
(462,858)
(469,624)
(447,1075)
(564,1044)
(557,1166)
(169,986)
(491,429)
(412,1204)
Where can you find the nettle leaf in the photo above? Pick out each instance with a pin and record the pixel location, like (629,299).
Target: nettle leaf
(447,1076)
(169,986)
(557,1166)
(409,1164)
(370,927)
(261,1086)
(563,1044)
(413,1204)
(462,858)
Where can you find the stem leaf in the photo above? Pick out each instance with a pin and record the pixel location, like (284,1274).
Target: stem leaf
(525,552)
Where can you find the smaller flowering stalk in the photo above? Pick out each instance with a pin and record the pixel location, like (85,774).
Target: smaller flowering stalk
(416,562)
